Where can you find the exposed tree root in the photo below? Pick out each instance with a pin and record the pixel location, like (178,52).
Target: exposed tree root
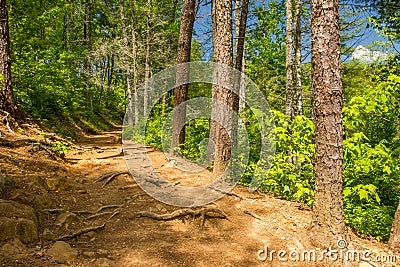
(253,215)
(133,198)
(94,214)
(53,210)
(82,232)
(203,212)
(232,194)
(113,215)
(104,176)
(109,177)
(128,186)
(98,210)
(99,215)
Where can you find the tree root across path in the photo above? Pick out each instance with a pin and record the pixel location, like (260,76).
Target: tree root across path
(82,232)
(109,177)
(203,212)
(93,215)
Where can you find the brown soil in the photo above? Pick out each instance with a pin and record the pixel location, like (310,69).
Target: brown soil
(255,219)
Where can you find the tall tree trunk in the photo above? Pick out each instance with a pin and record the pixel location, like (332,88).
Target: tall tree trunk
(86,39)
(182,74)
(211,142)
(394,241)
(7,102)
(239,62)
(67,28)
(223,55)
(289,60)
(134,58)
(126,63)
(148,60)
(328,226)
(110,79)
(297,58)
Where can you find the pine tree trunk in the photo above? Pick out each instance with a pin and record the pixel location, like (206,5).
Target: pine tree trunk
(135,69)
(239,62)
(126,64)
(328,226)
(7,102)
(297,58)
(223,55)
(289,60)
(147,60)
(182,74)
(394,241)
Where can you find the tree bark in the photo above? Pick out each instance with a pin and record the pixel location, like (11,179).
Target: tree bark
(126,64)
(211,138)
(147,60)
(86,40)
(297,59)
(223,55)
(328,226)
(134,57)
(182,74)
(239,62)
(394,240)
(289,60)
(7,102)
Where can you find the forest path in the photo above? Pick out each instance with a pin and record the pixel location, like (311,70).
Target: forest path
(121,238)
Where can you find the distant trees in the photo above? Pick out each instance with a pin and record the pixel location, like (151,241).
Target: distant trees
(329,223)
(81,58)
(7,102)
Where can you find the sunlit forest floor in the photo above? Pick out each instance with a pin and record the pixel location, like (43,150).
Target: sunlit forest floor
(97,223)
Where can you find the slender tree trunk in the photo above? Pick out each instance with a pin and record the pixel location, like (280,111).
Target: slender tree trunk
(328,226)
(297,58)
(237,20)
(182,74)
(86,39)
(148,60)
(67,30)
(134,57)
(211,143)
(238,17)
(110,79)
(394,241)
(223,55)
(289,60)
(7,102)
(126,63)
(239,62)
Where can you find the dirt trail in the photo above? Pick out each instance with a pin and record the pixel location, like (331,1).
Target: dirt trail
(254,219)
